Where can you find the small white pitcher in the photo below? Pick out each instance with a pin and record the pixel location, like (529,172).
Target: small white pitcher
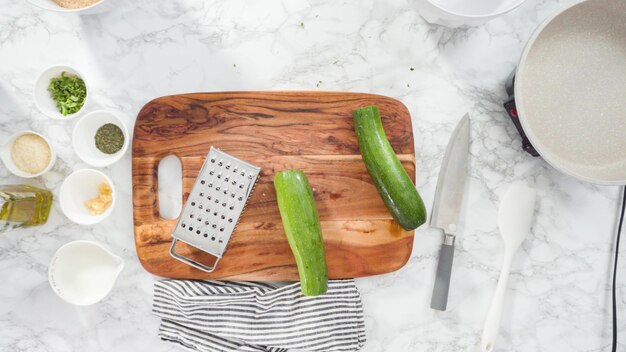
(83,272)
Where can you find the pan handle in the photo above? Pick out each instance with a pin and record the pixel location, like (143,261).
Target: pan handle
(511,110)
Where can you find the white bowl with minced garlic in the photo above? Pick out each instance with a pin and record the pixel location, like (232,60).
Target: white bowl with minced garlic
(75,6)
(28,154)
(87,196)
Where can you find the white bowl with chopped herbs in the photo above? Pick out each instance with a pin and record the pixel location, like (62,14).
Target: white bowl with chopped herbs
(61,92)
(100,138)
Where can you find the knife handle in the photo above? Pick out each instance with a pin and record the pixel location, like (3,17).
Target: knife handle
(439,300)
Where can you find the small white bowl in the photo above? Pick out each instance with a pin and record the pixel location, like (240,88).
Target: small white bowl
(456,13)
(84,143)
(101,6)
(79,187)
(43,98)
(83,272)
(7,159)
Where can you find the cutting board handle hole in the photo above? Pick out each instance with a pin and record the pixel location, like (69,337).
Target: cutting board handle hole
(170,182)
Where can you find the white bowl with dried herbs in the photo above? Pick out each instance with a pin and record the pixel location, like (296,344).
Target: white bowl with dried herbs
(100,138)
(61,92)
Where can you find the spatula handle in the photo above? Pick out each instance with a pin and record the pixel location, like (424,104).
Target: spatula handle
(439,300)
(492,323)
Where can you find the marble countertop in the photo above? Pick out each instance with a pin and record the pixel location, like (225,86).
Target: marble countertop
(559,292)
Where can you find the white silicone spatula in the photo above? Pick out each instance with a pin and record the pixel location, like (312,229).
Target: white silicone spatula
(514,219)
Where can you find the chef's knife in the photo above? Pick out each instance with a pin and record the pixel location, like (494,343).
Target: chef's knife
(447,206)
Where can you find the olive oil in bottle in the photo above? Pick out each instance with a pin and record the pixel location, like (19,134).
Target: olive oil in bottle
(23,206)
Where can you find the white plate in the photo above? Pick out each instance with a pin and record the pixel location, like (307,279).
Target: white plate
(456,13)
(101,6)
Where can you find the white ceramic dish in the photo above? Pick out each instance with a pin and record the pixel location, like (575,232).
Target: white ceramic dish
(7,159)
(43,99)
(83,138)
(83,272)
(456,13)
(101,6)
(79,187)
(569,91)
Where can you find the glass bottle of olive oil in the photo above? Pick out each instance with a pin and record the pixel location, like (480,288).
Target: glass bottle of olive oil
(23,206)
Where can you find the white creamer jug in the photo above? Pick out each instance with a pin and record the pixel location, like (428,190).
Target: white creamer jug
(83,272)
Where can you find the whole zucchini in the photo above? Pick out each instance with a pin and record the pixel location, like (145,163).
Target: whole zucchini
(391,181)
(302,227)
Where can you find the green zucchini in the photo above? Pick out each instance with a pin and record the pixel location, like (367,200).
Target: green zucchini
(302,227)
(391,180)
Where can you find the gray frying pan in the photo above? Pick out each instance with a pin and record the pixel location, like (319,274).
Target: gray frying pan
(570,91)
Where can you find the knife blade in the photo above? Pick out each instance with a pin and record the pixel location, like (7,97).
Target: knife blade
(447,206)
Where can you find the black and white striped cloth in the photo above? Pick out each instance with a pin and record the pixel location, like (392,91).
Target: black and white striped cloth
(214,316)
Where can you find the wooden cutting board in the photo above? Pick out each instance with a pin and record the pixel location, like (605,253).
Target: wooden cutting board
(312,131)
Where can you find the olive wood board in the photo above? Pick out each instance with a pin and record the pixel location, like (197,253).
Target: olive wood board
(311,131)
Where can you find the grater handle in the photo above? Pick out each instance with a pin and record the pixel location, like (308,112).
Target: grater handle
(195,264)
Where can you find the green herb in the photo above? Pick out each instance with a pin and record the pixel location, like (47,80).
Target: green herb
(109,138)
(69,92)
(302,24)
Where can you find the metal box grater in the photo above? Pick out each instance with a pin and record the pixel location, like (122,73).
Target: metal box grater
(214,206)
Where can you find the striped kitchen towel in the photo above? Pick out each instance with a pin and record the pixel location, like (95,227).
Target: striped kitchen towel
(214,316)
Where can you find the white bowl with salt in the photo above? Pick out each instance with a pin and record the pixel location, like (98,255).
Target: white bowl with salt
(32,156)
